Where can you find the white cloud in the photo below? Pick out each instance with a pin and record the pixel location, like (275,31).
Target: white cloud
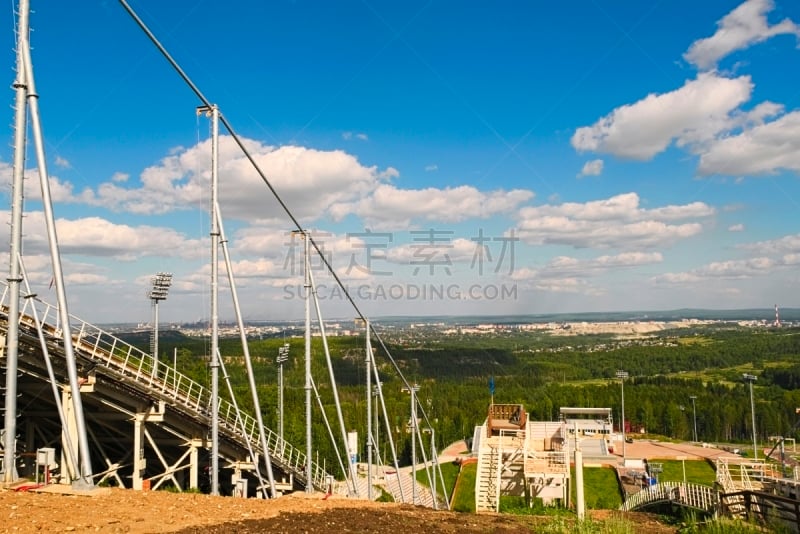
(736,228)
(560,266)
(763,149)
(119,177)
(435,246)
(388,206)
(94,236)
(592,168)
(788,244)
(431,168)
(767,257)
(62,162)
(347,136)
(742,27)
(616,222)
(693,114)
(308,181)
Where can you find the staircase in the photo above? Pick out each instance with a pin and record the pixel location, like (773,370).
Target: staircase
(486,479)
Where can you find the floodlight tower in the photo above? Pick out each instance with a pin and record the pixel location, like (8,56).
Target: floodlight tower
(158,291)
(283,356)
(750,379)
(622,375)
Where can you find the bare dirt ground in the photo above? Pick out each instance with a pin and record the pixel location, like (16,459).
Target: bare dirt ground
(119,510)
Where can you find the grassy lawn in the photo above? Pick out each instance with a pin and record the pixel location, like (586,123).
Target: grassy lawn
(450,475)
(464,498)
(697,472)
(600,488)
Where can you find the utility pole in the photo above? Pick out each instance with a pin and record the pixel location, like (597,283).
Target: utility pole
(622,375)
(694,414)
(750,379)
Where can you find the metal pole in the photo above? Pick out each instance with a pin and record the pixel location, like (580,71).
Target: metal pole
(248,366)
(85,480)
(413,390)
(283,355)
(752,378)
(280,399)
(413,446)
(214,304)
(155,338)
(622,375)
(694,415)
(368,361)
(14,278)
(309,444)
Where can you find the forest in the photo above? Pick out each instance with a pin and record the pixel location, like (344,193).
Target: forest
(675,379)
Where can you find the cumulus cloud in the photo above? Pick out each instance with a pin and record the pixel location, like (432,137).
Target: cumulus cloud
(617,222)
(760,150)
(561,266)
(788,244)
(431,168)
(744,26)
(62,162)
(98,237)
(693,114)
(765,258)
(592,168)
(308,180)
(389,206)
(736,228)
(727,270)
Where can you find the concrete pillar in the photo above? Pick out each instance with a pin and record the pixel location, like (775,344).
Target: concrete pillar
(68,470)
(194,462)
(139,462)
(579,500)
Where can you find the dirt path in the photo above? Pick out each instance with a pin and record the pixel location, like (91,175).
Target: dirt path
(118,510)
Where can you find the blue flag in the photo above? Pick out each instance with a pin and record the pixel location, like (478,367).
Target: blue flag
(491,384)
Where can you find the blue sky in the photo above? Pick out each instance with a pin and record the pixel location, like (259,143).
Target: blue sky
(451,157)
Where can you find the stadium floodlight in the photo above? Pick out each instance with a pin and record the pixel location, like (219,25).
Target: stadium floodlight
(283,356)
(160,284)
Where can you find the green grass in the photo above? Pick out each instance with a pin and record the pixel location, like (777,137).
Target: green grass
(697,472)
(600,488)
(449,473)
(464,497)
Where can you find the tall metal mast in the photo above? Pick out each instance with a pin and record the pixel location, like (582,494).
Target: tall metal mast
(14,278)
(214,304)
(308,385)
(84,470)
(368,362)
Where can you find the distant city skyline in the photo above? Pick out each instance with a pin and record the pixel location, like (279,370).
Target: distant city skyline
(450,158)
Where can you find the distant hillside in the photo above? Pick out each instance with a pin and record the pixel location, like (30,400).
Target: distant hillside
(756,314)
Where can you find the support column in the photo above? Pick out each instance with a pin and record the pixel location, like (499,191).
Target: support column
(68,471)
(194,462)
(139,461)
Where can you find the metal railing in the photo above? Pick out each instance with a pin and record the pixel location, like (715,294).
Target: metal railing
(690,495)
(773,511)
(166,382)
